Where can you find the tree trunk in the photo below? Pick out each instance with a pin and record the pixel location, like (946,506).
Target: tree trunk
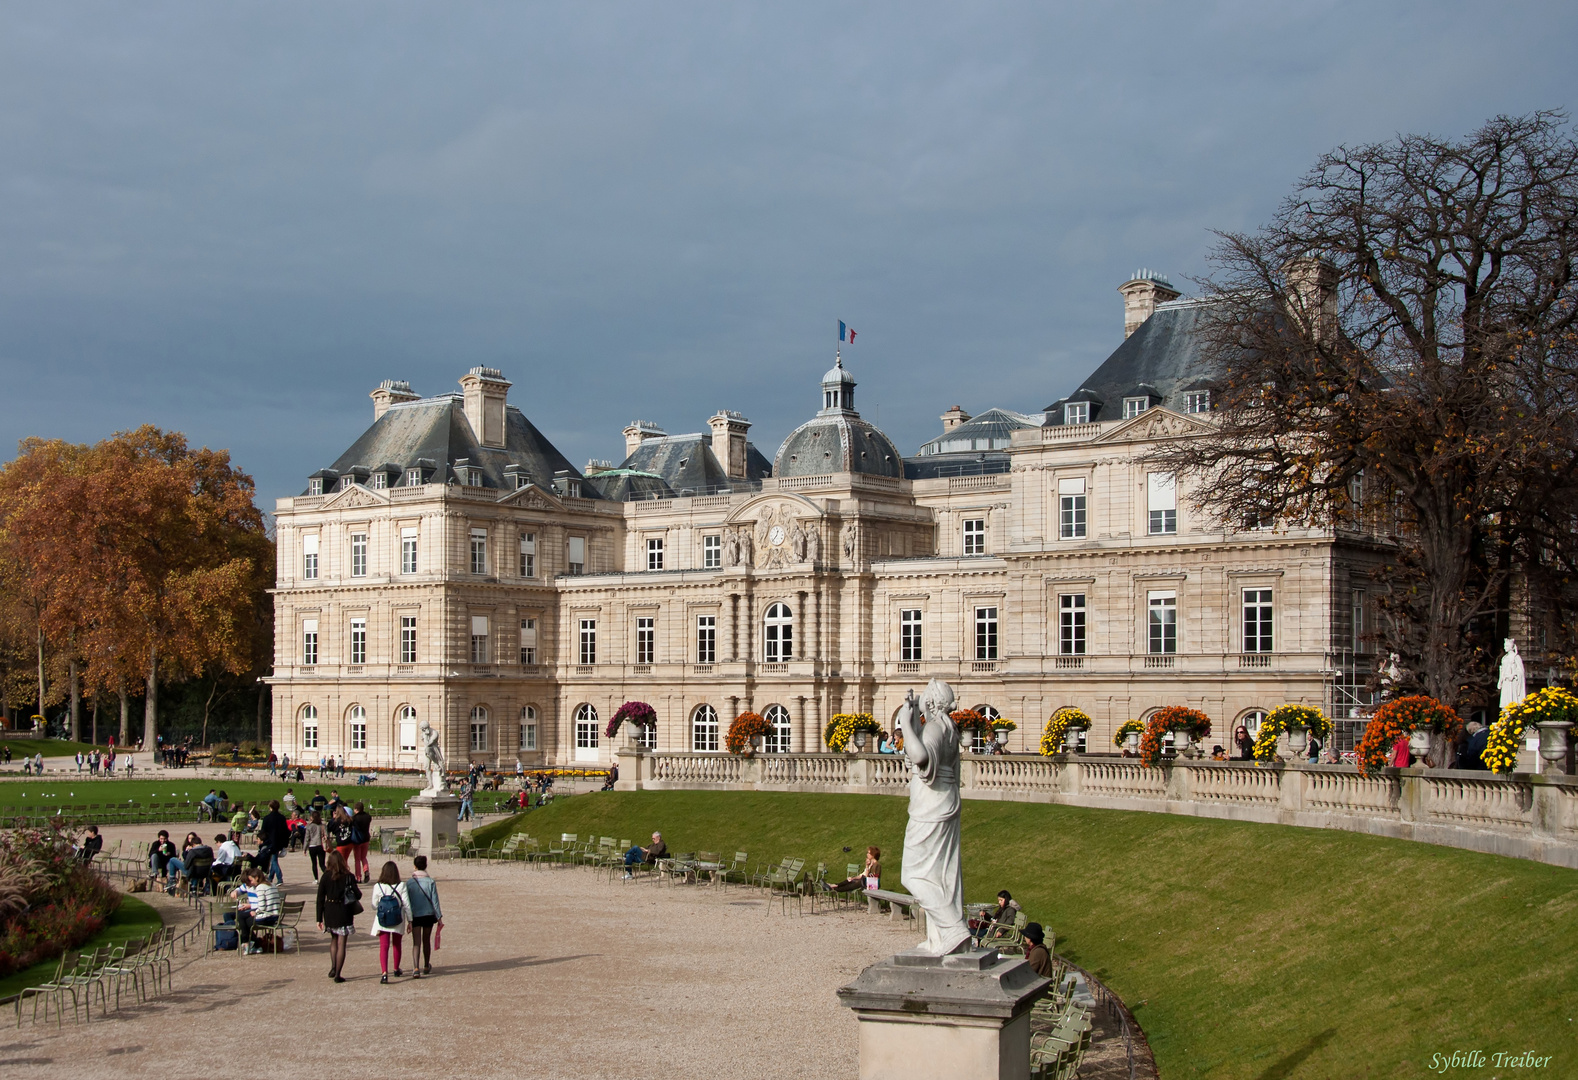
(76,701)
(41,675)
(95,718)
(125,713)
(208,705)
(150,707)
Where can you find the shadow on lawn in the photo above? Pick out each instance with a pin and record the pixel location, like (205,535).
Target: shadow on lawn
(1280,1070)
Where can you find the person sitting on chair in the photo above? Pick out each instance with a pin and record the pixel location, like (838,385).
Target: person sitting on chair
(648,855)
(868,878)
(1005,913)
(91,845)
(1036,952)
(227,858)
(160,852)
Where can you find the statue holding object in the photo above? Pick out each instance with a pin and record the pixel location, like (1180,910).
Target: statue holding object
(932,870)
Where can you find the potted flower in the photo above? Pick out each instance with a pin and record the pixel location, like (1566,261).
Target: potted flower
(1001,726)
(839,734)
(1128,735)
(638,714)
(1060,723)
(746,734)
(1181,722)
(1297,721)
(1416,717)
(1551,711)
(968,721)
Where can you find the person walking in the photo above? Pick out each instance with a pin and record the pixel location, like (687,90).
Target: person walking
(361,837)
(391,913)
(313,841)
(273,839)
(422,897)
(339,902)
(340,834)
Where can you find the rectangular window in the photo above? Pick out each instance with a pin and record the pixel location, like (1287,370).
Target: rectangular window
(1356,638)
(577,554)
(358,641)
(528,736)
(975,536)
(706,639)
(479,551)
(358,554)
(309,736)
(407,733)
(413,478)
(379,481)
(528,554)
(1161,499)
(479,640)
(1071,508)
(711,552)
(910,634)
(588,652)
(986,633)
(528,641)
(309,556)
(358,728)
(1071,624)
(479,736)
(309,642)
(315,486)
(655,553)
(1257,620)
(1134,406)
(646,639)
(1163,622)
(408,551)
(408,639)
(1197,401)
(1076,412)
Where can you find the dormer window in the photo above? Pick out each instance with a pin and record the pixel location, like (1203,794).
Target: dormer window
(1076,412)
(413,478)
(471,477)
(315,485)
(1134,406)
(379,481)
(346,483)
(1197,401)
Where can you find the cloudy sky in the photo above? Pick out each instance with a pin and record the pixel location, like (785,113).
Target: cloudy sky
(236,219)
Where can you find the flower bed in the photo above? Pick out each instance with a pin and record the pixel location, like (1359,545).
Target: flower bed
(638,713)
(842,727)
(1170,718)
(1396,719)
(1059,724)
(1284,718)
(746,726)
(1506,732)
(49,901)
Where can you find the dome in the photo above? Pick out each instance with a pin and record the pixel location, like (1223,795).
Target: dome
(837,375)
(837,439)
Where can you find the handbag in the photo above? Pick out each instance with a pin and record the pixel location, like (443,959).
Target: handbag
(351,898)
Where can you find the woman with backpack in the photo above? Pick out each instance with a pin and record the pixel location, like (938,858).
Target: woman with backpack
(339,902)
(421,894)
(391,913)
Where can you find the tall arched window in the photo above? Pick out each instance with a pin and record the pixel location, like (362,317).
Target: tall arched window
(779,642)
(586,733)
(1252,720)
(980,742)
(528,740)
(479,728)
(309,727)
(405,721)
(356,718)
(704,729)
(777,741)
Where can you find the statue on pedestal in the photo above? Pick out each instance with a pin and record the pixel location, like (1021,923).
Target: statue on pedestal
(932,870)
(1513,688)
(433,757)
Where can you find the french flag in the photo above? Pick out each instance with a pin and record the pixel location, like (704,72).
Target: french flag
(845,333)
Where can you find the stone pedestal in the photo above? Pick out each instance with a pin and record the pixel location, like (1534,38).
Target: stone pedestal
(432,817)
(959,1017)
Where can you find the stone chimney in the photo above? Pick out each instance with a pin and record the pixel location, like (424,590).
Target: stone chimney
(953,418)
(485,390)
(391,392)
(728,442)
(1141,294)
(639,432)
(1312,295)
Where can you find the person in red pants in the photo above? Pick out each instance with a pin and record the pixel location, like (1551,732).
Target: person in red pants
(361,838)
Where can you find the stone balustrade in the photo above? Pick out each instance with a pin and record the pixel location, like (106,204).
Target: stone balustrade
(1524,816)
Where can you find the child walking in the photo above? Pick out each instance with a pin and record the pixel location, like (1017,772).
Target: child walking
(391,914)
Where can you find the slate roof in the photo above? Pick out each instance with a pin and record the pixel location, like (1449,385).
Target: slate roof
(1161,360)
(837,442)
(682,463)
(435,430)
(992,430)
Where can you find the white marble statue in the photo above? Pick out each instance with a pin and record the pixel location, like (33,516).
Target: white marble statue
(433,755)
(932,870)
(813,544)
(1511,677)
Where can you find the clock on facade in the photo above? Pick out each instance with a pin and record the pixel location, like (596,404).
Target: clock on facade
(776,536)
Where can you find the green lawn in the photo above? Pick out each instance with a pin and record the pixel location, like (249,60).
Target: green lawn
(134,919)
(50,748)
(1246,951)
(26,796)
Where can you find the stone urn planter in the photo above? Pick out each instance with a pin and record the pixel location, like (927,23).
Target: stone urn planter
(1553,744)
(1180,742)
(1419,744)
(755,747)
(1298,742)
(1001,734)
(1131,741)
(859,741)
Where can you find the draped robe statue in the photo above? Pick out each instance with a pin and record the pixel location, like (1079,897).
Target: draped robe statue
(1511,682)
(932,870)
(433,761)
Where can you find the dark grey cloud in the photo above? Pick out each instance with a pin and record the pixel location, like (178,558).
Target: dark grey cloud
(235,220)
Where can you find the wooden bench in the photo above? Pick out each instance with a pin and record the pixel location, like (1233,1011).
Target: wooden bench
(901,906)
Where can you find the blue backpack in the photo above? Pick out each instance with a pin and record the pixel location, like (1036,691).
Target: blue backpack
(389,909)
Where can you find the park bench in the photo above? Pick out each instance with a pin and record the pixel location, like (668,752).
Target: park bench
(900,906)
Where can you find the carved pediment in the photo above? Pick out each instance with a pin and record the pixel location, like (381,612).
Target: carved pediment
(532,497)
(1156,423)
(354,498)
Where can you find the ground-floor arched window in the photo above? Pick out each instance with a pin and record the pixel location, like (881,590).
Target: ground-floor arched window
(704,729)
(528,733)
(778,729)
(309,727)
(981,741)
(356,720)
(586,733)
(479,728)
(405,721)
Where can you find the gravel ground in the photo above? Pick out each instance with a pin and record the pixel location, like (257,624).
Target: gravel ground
(555,973)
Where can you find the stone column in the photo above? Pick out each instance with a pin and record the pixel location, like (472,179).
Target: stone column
(798,742)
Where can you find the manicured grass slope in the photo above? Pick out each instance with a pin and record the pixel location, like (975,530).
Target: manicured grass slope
(1245,950)
(50,748)
(134,919)
(176,788)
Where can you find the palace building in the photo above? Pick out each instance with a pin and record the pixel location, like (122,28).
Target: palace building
(453,566)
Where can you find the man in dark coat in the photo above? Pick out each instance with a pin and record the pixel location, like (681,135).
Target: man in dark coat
(273,839)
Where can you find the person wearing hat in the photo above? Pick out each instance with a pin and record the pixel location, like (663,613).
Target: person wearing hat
(1036,953)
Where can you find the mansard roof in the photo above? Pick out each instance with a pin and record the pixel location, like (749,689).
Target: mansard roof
(1161,359)
(684,463)
(991,430)
(434,433)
